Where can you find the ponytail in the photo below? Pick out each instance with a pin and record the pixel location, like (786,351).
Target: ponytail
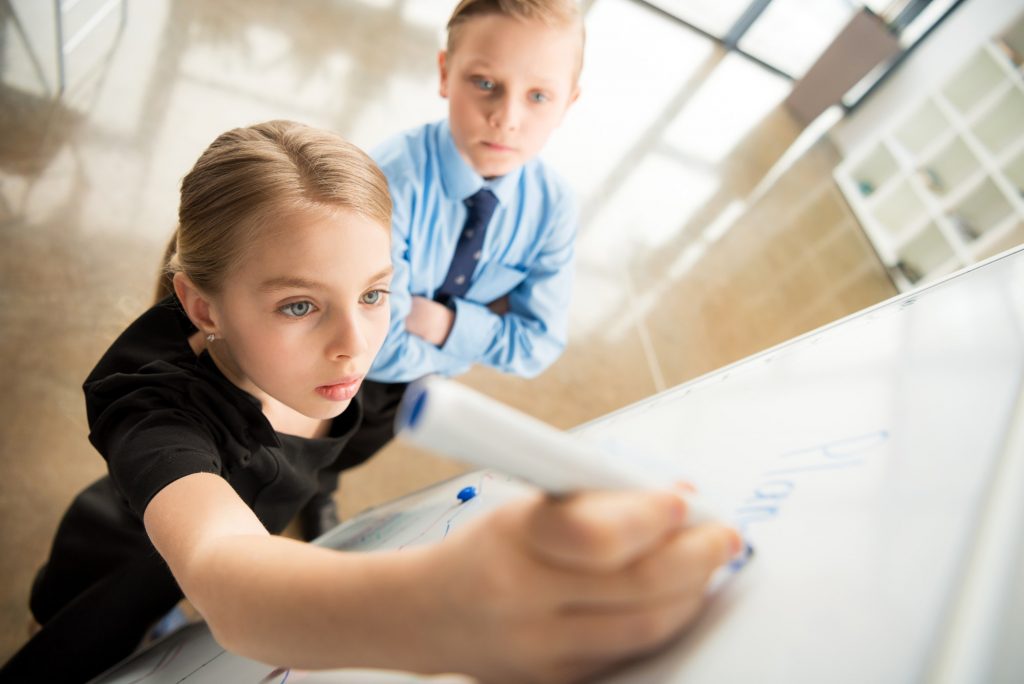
(165,276)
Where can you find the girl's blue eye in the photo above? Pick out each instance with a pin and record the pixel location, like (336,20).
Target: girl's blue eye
(297,309)
(538,97)
(374,297)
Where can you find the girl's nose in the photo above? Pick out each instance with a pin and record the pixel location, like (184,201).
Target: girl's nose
(348,337)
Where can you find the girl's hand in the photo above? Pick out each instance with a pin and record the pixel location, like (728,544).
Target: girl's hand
(546,590)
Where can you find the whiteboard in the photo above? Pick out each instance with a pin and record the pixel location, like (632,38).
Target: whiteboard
(875,464)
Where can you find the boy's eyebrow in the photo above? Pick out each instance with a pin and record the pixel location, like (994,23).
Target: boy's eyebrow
(482,64)
(477,62)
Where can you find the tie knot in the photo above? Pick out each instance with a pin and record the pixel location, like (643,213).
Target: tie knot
(481,203)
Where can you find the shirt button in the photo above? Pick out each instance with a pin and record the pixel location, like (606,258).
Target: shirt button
(469,202)
(460,279)
(469,233)
(477,255)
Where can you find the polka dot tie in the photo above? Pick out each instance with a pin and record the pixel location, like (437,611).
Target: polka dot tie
(480,207)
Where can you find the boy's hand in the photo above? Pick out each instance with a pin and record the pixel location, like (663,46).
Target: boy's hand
(430,320)
(499,306)
(546,590)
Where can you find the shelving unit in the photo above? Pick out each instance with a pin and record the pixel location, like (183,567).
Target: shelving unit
(944,186)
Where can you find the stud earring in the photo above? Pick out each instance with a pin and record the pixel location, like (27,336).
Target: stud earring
(211,337)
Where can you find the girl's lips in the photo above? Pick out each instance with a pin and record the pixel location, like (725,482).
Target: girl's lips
(341,391)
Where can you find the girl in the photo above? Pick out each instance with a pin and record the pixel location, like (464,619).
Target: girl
(218,409)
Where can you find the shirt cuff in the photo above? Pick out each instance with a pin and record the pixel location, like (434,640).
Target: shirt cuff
(474,329)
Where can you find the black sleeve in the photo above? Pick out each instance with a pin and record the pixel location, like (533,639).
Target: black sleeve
(149,443)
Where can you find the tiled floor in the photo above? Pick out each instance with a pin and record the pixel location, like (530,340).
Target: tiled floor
(703,240)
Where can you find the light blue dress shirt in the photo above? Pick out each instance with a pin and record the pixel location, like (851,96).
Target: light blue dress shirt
(528,254)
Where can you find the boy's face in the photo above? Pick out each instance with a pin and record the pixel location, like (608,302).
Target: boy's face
(508,84)
(305,312)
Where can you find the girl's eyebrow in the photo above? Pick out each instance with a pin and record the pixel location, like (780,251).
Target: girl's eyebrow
(380,275)
(297,283)
(287,282)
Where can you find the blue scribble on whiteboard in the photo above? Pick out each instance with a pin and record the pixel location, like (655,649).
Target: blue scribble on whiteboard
(779,482)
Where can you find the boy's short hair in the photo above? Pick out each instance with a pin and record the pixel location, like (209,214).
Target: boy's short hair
(551,12)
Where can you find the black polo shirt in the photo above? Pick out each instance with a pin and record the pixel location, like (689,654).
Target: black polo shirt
(157,412)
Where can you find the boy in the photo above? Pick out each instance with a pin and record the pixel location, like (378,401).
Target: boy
(482,232)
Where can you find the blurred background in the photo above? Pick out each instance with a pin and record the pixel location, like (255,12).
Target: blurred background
(747,170)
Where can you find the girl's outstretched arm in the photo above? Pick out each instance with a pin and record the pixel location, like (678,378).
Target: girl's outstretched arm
(540,590)
(275,599)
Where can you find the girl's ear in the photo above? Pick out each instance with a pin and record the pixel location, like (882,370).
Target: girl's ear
(196,304)
(442,71)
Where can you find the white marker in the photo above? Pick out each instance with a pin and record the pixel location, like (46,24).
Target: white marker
(452,419)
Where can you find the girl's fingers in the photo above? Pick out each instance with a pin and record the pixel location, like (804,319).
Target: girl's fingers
(685,487)
(602,531)
(612,635)
(683,564)
(571,587)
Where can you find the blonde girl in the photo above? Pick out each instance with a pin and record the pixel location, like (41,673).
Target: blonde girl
(220,407)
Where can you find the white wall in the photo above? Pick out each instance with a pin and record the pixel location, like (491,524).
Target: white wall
(29,56)
(945,49)
(29,49)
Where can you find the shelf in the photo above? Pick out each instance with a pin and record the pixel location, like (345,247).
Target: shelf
(949,167)
(979,212)
(1014,171)
(1007,235)
(922,129)
(1003,124)
(944,186)
(900,209)
(926,253)
(875,170)
(969,85)
(1011,45)
(1009,57)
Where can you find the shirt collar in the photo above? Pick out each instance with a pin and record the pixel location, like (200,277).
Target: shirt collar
(461,181)
(255,425)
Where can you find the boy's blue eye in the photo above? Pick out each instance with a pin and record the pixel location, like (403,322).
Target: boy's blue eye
(297,309)
(484,83)
(374,297)
(538,97)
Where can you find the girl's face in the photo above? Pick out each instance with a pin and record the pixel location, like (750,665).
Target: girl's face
(304,313)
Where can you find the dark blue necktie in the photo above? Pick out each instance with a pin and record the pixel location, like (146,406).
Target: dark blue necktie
(479,207)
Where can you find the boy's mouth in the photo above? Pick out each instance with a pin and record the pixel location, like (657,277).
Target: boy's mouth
(497,147)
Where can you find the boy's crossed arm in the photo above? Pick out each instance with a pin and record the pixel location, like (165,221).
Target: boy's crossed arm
(430,320)
(521,332)
(433,321)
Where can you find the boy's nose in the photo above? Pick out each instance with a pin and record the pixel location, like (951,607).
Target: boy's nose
(506,115)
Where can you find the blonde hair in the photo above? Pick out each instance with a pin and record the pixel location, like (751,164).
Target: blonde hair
(560,13)
(251,177)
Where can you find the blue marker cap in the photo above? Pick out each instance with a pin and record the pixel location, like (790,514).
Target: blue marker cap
(466,493)
(738,563)
(411,408)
